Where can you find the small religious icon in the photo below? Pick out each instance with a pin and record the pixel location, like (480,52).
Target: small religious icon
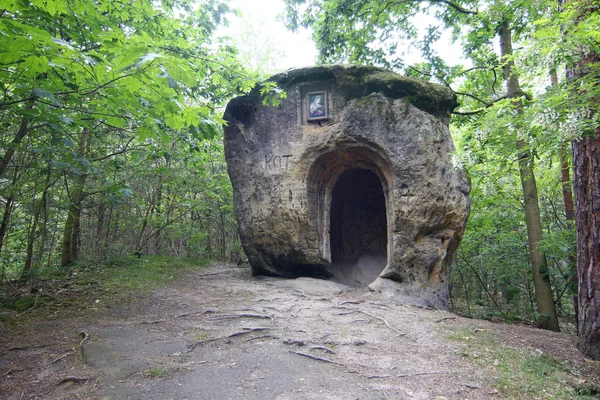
(317,106)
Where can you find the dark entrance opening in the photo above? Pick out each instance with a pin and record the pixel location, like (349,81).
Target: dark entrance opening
(358,228)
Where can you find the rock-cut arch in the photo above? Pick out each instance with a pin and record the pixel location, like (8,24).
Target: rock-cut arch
(351,209)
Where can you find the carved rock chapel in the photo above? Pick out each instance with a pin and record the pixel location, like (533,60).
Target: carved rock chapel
(352,178)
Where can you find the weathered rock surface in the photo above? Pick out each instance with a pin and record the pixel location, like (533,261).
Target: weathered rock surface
(350,176)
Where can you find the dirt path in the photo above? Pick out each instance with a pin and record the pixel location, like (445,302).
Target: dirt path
(222,334)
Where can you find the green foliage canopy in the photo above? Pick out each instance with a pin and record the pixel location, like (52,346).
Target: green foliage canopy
(138,66)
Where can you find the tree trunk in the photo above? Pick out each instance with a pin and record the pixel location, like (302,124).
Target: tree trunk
(586,182)
(8,207)
(547,318)
(76,227)
(23,129)
(31,236)
(29,267)
(149,212)
(108,233)
(70,235)
(43,230)
(586,162)
(222,229)
(70,243)
(565,179)
(100,231)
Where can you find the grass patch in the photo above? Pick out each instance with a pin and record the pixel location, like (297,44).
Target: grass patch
(518,374)
(155,372)
(143,274)
(85,287)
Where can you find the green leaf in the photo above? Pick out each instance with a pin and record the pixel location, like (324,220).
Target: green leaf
(44,94)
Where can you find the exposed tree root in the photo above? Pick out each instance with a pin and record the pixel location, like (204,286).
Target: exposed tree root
(353,310)
(240,315)
(316,358)
(325,349)
(191,347)
(246,331)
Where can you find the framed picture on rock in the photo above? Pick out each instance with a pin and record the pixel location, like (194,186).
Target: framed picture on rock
(317,106)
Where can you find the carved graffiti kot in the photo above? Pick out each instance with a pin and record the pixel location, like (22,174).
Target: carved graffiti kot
(277,162)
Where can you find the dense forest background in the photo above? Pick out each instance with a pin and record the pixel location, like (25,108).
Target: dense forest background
(111,131)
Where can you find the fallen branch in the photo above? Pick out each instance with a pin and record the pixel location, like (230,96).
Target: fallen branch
(74,379)
(316,358)
(301,294)
(189,314)
(158,321)
(246,331)
(443,319)
(425,373)
(378,376)
(32,307)
(191,347)
(294,341)
(470,386)
(61,357)
(325,349)
(187,365)
(211,274)
(298,311)
(272,308)
(24,348)
(261,337)
(385,322)
(85,337)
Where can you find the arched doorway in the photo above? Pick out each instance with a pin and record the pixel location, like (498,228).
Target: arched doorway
(358,227)
(356,246)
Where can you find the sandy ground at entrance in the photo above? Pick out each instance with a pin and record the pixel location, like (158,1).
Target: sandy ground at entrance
(224,334)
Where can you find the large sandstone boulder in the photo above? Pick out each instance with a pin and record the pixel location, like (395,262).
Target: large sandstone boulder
(350,177)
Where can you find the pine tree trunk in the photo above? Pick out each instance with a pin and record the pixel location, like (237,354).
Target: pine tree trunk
(547,318)
(586,184)
(586,162)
